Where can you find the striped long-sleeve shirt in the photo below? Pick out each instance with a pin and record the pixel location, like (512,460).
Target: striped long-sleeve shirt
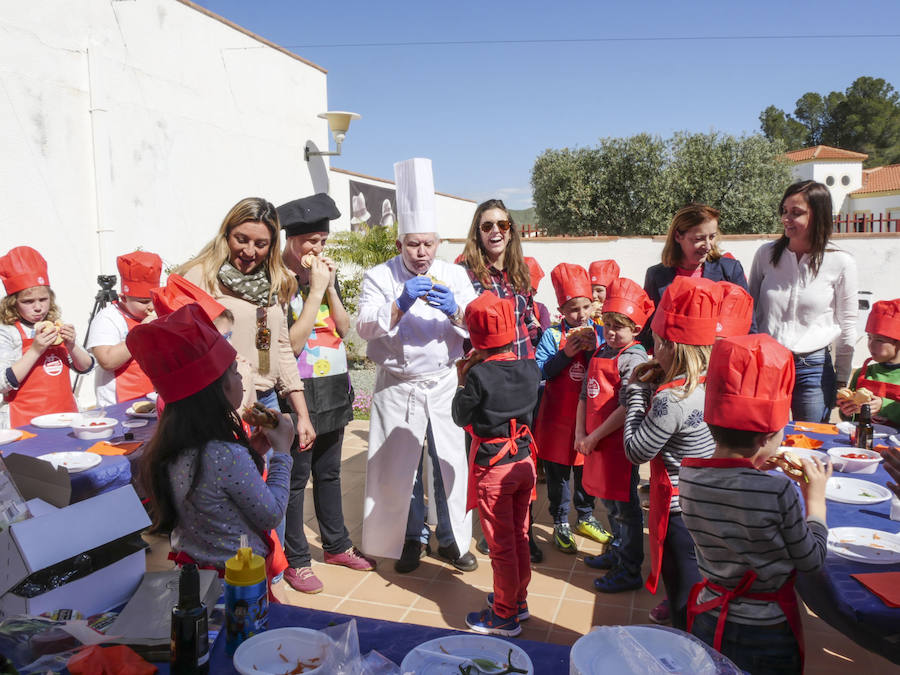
(672,428)
(740,519)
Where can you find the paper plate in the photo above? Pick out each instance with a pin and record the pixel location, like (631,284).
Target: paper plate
(446,654)
(855,491)
(153,396)
(147,415)
(55,420)
(865,545)
(637,650)
(73,461)
(9,435)
(285,650)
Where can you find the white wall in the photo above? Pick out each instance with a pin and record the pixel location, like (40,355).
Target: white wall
(822,170)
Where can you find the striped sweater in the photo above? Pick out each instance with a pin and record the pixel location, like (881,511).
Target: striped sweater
(673,428)
(740,519)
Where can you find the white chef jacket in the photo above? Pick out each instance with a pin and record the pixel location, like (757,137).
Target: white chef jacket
(415,383)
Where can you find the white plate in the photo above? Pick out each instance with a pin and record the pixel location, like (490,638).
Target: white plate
(429,658)
(147,416)
(895,439)
(55,420)
(9,435)
(152,396)
(865,545)
(281,650)
(637,649)
(73,461)
(855,491)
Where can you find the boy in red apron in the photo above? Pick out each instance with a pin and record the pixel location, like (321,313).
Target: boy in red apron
(598,435)
(748,525)
(494,402)
(562,355)
(37,348)
(120,378)
(880,374)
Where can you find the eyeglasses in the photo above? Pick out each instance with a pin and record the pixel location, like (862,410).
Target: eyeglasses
(502,225)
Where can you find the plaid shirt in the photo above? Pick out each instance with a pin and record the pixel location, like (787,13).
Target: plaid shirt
(528,328)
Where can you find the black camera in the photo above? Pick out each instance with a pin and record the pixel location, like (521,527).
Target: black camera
(106,281)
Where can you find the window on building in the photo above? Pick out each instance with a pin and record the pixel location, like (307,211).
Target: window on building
(829,181)
(845,180)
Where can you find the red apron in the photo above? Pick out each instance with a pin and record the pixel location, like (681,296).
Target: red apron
(510,445)
(131,382)
(784,596)
(46,388)
(607,471)
(555,423)
(661,493)
(880,389)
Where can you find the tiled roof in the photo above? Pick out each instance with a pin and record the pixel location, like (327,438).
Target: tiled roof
(823,152)
(879,179)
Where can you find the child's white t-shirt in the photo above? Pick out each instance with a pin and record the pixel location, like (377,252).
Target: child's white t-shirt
(106,330)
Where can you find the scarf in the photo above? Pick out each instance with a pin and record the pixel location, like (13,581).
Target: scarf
(254,287)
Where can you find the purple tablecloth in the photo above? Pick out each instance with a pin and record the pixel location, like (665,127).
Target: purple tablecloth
(832,593)
(112,471)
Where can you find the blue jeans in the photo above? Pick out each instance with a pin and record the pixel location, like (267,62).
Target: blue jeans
(760,650)
(626,522)
(416,528)
(679,569)
(559,494)
(814,388)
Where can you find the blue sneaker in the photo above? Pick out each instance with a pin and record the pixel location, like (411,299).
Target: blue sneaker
(523,614)
(489,623)
(618,580)
(606,561)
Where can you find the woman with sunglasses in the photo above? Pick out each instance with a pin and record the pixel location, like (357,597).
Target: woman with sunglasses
(804,291)
(241,267)
(493,259)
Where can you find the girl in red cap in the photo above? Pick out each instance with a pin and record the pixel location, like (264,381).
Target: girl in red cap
(494,402)
(664,424)
(36,348)
(602,273)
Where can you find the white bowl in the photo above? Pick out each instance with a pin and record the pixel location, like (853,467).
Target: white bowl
(281,649)
(849,465)
(95,429)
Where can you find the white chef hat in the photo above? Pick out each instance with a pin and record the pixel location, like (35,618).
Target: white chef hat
(415,196)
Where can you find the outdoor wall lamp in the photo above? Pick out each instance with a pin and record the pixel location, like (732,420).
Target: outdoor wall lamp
(338,123)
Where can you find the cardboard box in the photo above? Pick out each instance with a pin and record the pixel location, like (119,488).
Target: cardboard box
(59,534)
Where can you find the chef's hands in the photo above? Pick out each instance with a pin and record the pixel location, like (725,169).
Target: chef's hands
(579,343)
(44,339)
(817,474)
(440,297)
(67,333)
(321,273)
(413,289)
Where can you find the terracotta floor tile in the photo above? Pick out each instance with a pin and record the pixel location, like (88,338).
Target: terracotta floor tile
(398,590)
(609,615)
(577,616)
(384,611)
(548,584)
(455,620)
(443,597)
(324,601)
(542,609)
(581,587)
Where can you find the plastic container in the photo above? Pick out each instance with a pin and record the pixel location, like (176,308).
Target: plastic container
(851,465)
(246,597)
(94,429)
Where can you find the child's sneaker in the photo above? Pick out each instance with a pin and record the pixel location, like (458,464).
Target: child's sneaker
(618,580)
(523,614)
(489,623)
(660,613)
(605,561)
(591,528)
(563,539)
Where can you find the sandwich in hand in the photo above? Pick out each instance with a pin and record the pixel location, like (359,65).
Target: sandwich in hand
(258,415)
(45,326)
(307,260)
(860,396)
(143,407)
(584,331)
(789,463)
(649,371)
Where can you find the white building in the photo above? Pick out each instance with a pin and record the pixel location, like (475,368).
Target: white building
(865,200)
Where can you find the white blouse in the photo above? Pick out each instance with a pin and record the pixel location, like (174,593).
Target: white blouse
(807,312)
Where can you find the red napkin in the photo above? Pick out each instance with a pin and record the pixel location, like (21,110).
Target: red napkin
(104,448)
(816,428)
(117,660)
(801,441)
(886,585)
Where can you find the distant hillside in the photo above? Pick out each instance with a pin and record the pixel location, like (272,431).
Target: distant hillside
(524,216)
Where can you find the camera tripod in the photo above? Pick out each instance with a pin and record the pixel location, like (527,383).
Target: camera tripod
(105,295)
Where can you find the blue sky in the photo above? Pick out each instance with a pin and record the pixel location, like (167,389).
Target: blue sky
(483,112)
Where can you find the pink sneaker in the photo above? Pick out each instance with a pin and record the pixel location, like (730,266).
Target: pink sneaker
(351,558)
(660,613)
(303,579)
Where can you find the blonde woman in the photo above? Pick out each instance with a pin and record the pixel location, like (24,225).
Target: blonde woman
(241,267)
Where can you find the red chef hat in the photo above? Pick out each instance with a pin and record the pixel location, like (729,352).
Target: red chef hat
(534,269)
(22,268)
(140,273)
(749,383)
(603,272)
(491,321)
(181,353)
(736,314)
(689,311)
(570,281)
(179,292)
(884,319)
(623,296)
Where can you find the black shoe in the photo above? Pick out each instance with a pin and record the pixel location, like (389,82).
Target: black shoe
(413,551)
(482,547)
(537,555)
(464,563)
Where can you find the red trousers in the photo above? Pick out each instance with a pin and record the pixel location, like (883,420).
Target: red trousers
(504,492)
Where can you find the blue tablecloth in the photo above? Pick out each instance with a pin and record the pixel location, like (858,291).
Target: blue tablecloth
(832,593)
(112,471)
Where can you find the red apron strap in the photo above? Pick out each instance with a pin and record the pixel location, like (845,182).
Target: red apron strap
(877,387)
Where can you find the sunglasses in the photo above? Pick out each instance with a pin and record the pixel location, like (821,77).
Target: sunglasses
(502,225)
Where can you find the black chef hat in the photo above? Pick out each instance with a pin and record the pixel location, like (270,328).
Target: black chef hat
(309,214)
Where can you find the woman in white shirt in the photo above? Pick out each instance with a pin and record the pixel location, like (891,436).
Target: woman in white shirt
(805,294)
